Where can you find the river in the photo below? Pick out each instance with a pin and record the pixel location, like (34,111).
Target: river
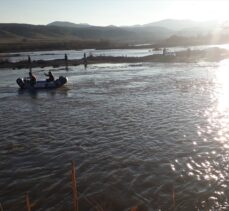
(150,135)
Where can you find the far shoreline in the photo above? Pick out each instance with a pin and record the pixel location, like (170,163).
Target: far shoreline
(187,56)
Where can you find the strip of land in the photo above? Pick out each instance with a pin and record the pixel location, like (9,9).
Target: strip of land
(187,56)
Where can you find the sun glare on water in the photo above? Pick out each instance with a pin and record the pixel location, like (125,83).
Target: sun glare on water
(223,83)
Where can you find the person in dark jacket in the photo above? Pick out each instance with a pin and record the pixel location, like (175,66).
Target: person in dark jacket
(50,75)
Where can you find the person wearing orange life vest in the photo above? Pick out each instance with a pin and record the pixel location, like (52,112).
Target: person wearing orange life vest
(32,78)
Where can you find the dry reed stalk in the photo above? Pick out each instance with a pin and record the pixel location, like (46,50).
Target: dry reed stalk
(134,209)
(1,207)
(74,187)
(27,201)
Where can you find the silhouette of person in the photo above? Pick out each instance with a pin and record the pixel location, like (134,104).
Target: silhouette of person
(50,75)
(32,78)
(66,57)
(85,60)
(66,61)
(29,60)
(188,52)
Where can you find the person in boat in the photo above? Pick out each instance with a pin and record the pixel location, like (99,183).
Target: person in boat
(32,78)
(50,75)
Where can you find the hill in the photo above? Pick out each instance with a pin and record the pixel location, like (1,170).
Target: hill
(178,25)
(10,32)
(68,24)
(67,35)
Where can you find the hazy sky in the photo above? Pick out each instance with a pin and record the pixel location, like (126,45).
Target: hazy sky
(107,12)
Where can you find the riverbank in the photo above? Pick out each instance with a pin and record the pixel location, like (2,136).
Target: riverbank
(187,56)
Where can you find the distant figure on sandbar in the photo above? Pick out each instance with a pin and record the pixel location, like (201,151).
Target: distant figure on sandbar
(85,60)
(29,62)
(50,76)
(188,52)
(66,61)
(32,78)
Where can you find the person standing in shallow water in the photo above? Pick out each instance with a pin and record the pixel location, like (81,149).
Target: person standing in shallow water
(66,61)
(29,62)
(85,60)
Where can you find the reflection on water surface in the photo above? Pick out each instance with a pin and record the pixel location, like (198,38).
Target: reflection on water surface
(148,135)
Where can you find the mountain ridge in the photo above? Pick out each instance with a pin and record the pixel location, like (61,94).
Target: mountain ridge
(172,24)
(68,24)
(111,33)
(169,31)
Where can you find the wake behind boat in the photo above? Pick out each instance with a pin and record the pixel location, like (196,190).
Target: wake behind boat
(27,83)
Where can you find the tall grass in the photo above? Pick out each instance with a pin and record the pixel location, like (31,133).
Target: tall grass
(27,201)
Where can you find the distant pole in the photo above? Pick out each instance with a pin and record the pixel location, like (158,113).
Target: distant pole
(28,206)
(74,187)
(66,61)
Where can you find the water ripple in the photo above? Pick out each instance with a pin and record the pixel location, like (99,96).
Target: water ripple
(148,135)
